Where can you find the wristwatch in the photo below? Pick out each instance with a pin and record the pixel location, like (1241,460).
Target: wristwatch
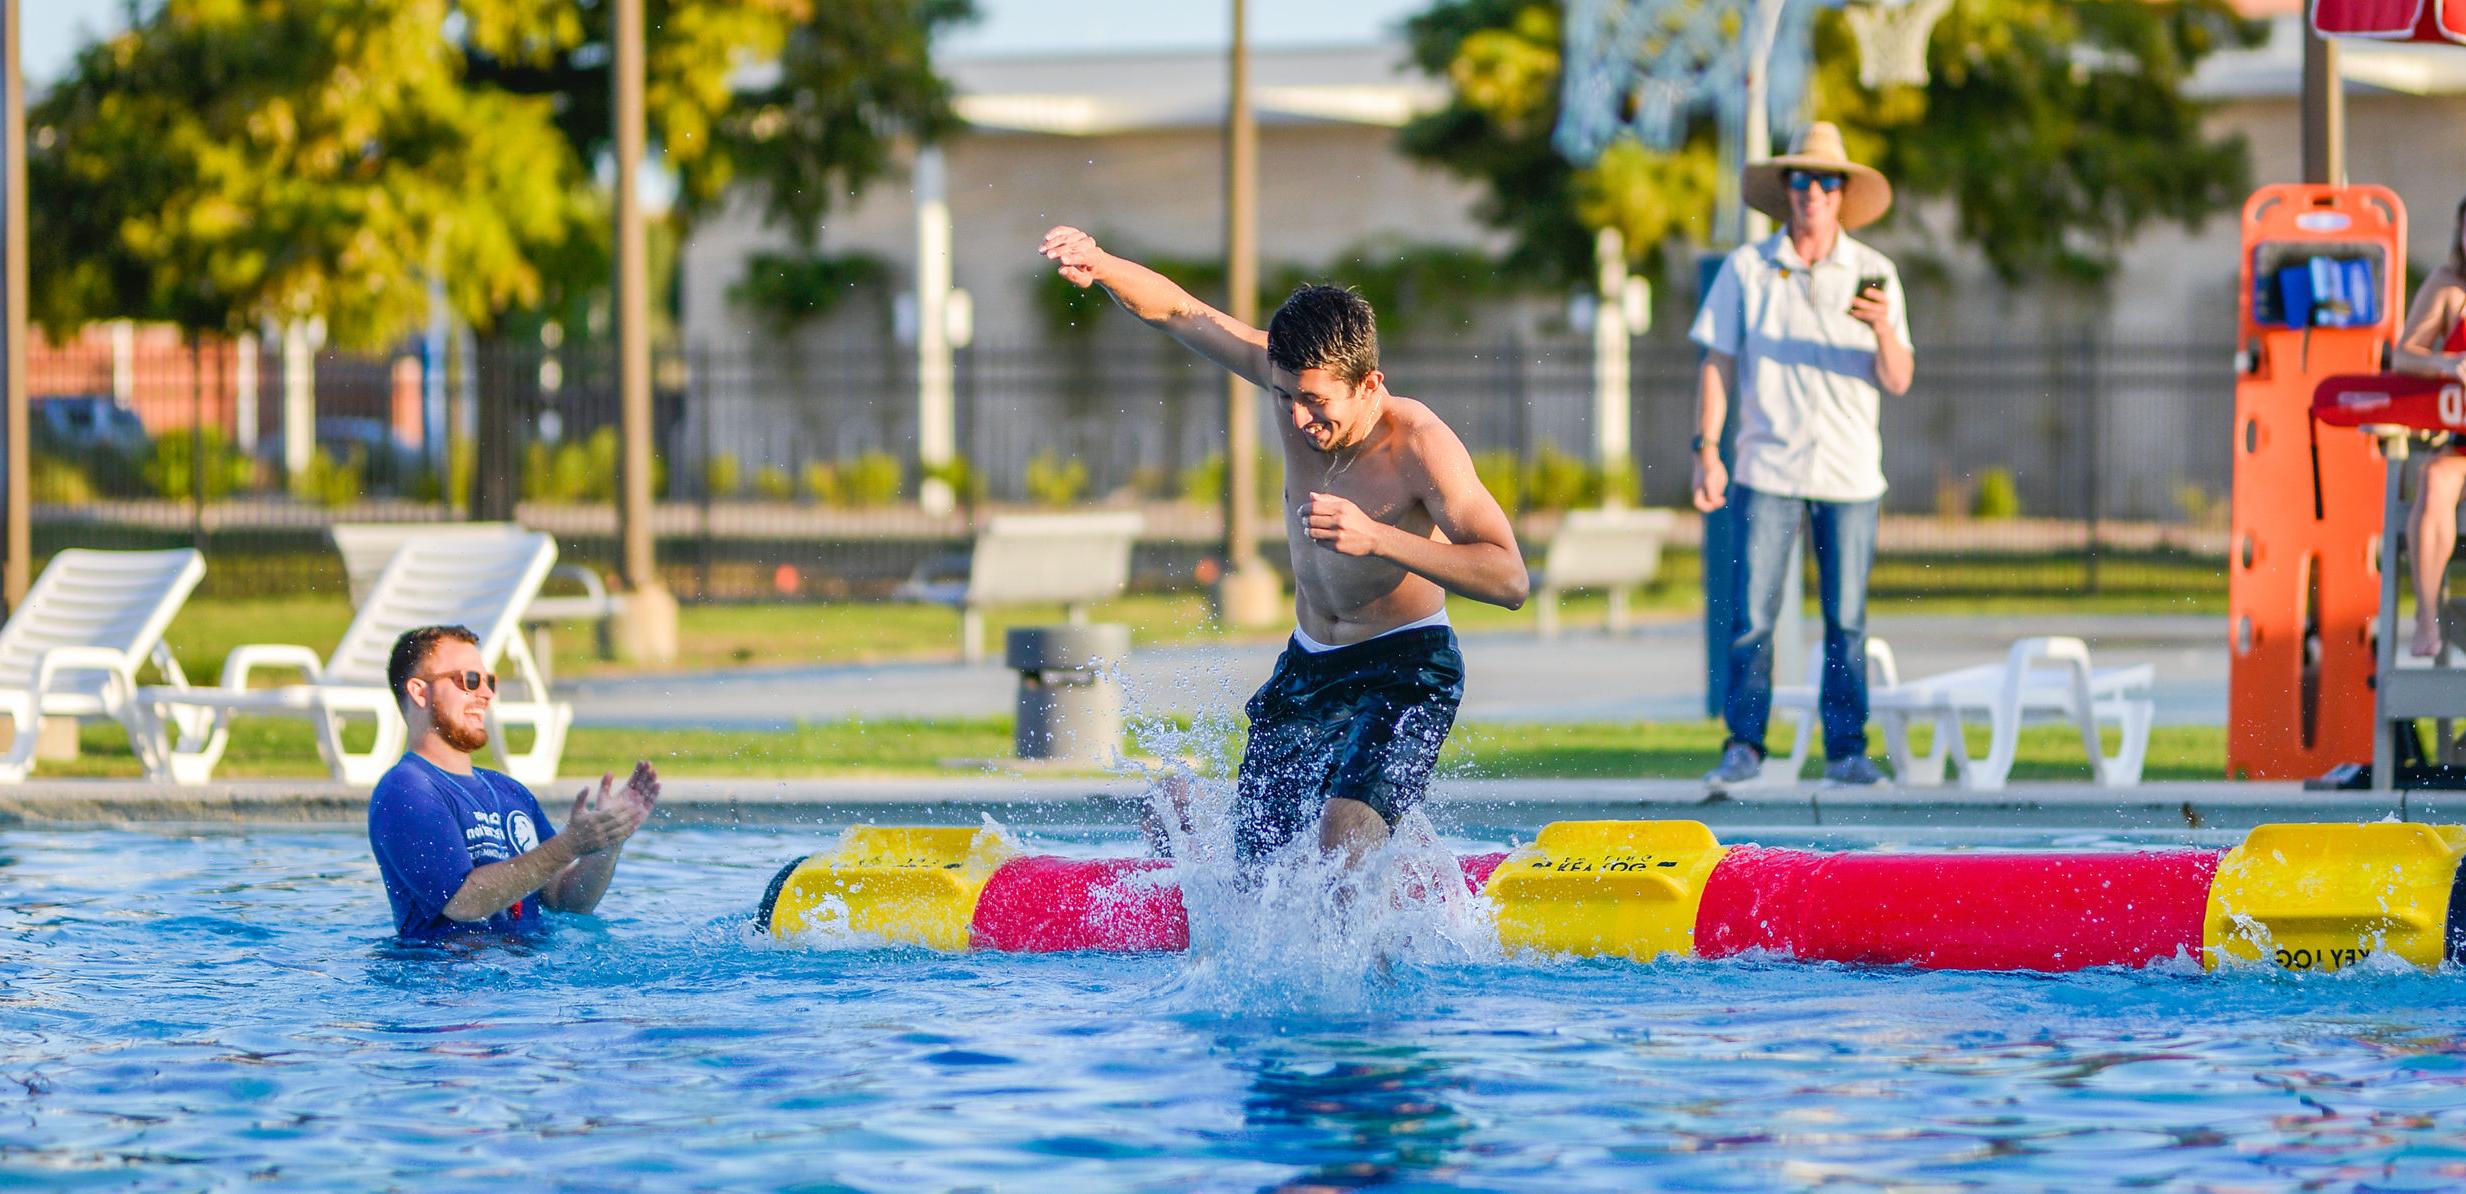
(1695,443)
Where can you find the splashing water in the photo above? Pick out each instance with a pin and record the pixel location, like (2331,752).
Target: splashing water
(1300,931)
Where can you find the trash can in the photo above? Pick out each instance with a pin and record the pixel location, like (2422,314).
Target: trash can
(1070,704)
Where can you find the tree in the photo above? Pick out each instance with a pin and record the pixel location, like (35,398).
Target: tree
(803,98)
(227,161)
(2058,129)
(221,163)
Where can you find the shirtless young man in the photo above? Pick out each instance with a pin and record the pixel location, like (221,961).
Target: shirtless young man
(1384,517)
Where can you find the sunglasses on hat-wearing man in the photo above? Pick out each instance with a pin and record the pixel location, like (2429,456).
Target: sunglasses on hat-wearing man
(1800,180)
(469,680)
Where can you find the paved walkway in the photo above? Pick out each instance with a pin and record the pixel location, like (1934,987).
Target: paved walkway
(1653,673)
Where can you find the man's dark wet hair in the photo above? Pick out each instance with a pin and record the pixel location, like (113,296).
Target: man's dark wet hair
(413,649)
(1325,327)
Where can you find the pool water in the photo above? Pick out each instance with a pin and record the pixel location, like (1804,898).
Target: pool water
(226,1010)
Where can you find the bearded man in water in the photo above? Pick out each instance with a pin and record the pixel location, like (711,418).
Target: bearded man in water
(1384,517)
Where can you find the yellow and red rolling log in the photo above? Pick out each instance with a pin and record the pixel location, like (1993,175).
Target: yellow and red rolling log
(2304,897)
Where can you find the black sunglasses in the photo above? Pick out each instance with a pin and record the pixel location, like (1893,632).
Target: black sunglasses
(1800,180)
(470,681)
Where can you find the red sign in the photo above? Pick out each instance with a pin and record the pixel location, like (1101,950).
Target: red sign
(2391,20)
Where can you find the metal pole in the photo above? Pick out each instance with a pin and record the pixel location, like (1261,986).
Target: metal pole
(650,614)
(1248,594)
(936,430)
(16,570)
(2324,112)
(196,443)
(2092,354)
(1613,366)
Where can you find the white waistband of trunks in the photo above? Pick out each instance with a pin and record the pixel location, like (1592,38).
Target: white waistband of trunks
(1315,647)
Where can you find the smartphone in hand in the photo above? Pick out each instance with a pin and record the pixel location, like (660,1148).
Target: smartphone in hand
(1871,282)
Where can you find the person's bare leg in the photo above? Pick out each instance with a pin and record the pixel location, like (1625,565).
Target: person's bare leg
(2431,536)
(1351,829)
(1171,798)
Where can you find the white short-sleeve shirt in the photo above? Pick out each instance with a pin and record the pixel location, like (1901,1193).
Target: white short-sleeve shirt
(1809,417)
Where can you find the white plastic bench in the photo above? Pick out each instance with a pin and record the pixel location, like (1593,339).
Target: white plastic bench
(1615,550)
(2041,677)
(1074,560)
(366,547)
(73,647)
(482,584)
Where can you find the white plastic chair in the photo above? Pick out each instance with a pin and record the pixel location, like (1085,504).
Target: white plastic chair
(73,647)
(449,580)
(2047,676)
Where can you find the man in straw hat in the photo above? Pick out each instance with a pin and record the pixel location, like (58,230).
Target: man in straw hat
(1806,327)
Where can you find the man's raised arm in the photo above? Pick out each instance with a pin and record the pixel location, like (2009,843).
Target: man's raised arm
(1160,303)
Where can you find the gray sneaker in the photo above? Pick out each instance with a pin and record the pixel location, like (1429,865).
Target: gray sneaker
(1739,765)
(1854,771)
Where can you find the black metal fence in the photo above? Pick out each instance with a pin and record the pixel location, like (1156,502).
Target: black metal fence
(789,470)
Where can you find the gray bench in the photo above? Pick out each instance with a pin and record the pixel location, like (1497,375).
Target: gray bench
(366,546)
(1615,550)
(1073,560)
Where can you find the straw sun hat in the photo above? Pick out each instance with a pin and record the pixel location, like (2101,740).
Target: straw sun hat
(1864,198)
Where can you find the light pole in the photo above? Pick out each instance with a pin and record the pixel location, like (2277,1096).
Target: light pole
(16,570)
(647,627)
(1249,593)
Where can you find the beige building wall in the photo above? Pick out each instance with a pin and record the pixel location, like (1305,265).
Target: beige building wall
(1322,189)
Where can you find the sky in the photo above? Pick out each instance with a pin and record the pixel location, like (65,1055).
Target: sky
(56,28)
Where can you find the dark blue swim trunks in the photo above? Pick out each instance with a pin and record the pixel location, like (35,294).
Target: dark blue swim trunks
(1362,722)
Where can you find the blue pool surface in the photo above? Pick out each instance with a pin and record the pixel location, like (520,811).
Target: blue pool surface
(225,1010)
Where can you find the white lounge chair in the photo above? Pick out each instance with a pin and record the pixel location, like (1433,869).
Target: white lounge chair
(451,580)
(2041,677)
(73,647)
(366,548)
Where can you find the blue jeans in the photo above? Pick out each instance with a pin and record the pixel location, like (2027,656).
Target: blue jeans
(1844,551)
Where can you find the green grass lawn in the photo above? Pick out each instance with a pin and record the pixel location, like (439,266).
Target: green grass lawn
(716,637)
(265,749)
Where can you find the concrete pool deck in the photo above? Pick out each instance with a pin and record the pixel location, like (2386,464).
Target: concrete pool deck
(1112,802)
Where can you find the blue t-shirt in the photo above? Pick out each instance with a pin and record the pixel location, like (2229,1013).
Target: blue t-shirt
(431,828)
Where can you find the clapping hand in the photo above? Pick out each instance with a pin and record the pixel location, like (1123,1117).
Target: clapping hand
(605,818)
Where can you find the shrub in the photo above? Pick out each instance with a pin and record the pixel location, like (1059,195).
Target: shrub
(1622,484)
(334,483)
(873,479)
(461,463)
(966,484)
(722,476)
(1503,476)
(57,481)
(1999,496)
(821,483)
(772,483)
(576,477)
(166,468)
(1204,482)
(1554,480)
(1055,480)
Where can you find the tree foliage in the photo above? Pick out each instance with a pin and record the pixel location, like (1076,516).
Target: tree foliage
(223,162)
(228,161)
(802,97)
(2057,129)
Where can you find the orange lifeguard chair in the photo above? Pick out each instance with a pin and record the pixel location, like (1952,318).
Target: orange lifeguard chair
(2304,583)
